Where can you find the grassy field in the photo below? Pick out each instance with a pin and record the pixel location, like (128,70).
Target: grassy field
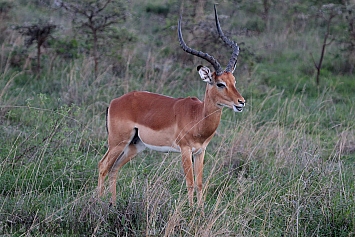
(283,167)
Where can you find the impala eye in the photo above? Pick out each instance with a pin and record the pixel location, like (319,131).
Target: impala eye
(221,85)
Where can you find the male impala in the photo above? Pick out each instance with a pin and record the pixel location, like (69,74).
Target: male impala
(141,119)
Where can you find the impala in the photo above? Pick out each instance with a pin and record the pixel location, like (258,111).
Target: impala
(139,120)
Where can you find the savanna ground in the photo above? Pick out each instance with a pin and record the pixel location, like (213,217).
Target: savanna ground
(283,167)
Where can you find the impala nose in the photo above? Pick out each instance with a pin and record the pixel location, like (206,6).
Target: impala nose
(241,102)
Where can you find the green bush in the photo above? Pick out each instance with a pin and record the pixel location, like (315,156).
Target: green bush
(157,9)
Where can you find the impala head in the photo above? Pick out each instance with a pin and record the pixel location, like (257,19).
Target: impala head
(221,89)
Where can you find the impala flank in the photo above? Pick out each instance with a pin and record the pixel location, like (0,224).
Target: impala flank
(140,120)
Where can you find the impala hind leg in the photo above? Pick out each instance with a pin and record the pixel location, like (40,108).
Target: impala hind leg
(129,152)
(106,164)
(117,145)
(102,175)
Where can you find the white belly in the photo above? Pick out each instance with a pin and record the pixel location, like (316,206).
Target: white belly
(162,148)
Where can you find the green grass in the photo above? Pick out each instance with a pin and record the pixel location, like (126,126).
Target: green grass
(283,167)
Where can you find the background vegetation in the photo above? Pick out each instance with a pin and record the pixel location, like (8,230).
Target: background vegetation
(283,167)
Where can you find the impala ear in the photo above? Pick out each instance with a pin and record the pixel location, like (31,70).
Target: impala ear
(205,74)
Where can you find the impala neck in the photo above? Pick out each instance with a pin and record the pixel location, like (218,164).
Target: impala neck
(211,111)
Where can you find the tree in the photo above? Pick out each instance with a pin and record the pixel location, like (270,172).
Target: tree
(39,33)
(94,17)
(327,13)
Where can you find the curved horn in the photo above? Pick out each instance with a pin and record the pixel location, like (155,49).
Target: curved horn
(200,54)
(233,60)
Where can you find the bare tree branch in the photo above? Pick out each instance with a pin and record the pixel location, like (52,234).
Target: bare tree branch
(96,17)
(327,13)
(37,32)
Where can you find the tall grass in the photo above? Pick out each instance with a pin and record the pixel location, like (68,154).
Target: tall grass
(277,169)
(283,167)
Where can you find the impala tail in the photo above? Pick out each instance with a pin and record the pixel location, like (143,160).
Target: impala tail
(106,119)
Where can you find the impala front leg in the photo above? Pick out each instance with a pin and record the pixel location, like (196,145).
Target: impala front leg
(186,156)
(198,170)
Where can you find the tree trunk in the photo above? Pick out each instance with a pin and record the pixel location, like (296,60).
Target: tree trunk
(96,66)
(38,57)
(199,10)
(319,66)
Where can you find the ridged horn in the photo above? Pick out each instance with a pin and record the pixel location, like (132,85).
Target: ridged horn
(200,54)
(233,60)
